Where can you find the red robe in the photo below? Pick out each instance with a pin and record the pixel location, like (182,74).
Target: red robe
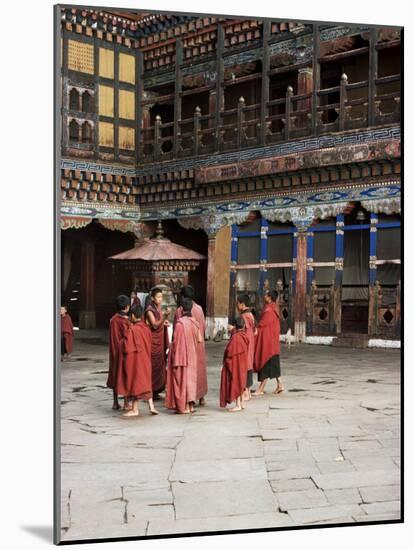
(250,325)
(182,365)
(268,334)
(66,327)
(198,314)
(159,348)
(118,329)
(235,366)
(134,376)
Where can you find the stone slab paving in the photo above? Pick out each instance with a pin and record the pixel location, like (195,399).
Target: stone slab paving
(327,450)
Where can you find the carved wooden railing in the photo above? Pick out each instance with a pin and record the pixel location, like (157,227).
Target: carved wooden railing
(384,311)
(321,310)
(339,108)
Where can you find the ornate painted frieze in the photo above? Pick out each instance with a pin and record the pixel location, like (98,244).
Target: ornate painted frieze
(312,159)
(74,222)
(100,211)
(285,206)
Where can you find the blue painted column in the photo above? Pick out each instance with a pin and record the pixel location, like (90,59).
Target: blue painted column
(373,249)
(339,250)
(233,254)
(294,258)
(309,259)
(263,253)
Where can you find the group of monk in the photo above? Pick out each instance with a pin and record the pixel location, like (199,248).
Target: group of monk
(143,363)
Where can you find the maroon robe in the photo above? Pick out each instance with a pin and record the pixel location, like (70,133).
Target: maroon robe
(66,327)
(159,348)
(134,376)
(250,325)
(198,314)
(268,334)
(118,329)
(182,365)
(235,366)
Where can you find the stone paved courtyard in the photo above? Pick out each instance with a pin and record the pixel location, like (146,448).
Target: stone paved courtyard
(327,450)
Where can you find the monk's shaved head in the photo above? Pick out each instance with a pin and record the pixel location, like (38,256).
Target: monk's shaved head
(187,305)
(122,301)
(136,311)
(187,292)
(239,324)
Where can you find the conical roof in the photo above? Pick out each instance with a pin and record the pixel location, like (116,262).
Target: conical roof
(158,248)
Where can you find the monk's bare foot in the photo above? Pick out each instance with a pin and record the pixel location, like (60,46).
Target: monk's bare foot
(154,411)
(279,389)
(131,413)
(246,395)
(186,411)
(234,409)
(202,402)
(116,406)
(258,394)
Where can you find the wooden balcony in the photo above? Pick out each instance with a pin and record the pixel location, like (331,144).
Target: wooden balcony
(340,108)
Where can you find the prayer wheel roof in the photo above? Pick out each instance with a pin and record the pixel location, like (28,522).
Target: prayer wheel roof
(158,248)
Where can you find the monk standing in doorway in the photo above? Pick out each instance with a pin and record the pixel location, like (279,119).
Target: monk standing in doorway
(197,314)
(243,307)
(118,329)
(134,378)
(156,320)
(234,370)
(267,348)
(182,362)
(66,327)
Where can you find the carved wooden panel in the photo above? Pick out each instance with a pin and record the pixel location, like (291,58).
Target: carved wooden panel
(106,134)
(126,138)
(106,63)
(106,101)
(127,104)
(127,68)
(80,57)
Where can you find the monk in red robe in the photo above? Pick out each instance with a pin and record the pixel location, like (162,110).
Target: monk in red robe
(234,370)
(267,348)
(134,378)
(182,363)
(66,327)
(243,307)
(197,314)
(118,329)
(158,323)
(134,298)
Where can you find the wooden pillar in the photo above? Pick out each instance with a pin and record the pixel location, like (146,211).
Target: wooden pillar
(264,111)
(219,81)
(373,75)
(139,70)
(211,257)
(316,69)
(305,86)
(87,313)
(300,288)
(233,271)
(177,94)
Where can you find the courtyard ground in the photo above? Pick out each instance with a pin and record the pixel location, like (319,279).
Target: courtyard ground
(327,450)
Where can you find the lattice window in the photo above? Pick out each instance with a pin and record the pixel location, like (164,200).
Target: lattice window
(74,100)
(87,102)
(80,57)
(87,132)
(73,131)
